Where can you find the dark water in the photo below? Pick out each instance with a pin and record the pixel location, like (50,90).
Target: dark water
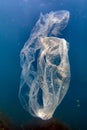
(17,18)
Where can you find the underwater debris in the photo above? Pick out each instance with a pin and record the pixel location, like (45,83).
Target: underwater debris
(45,66)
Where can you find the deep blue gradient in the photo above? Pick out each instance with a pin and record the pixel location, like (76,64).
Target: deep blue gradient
(17,18)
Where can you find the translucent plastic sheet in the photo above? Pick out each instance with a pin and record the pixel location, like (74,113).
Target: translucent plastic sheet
(45,66)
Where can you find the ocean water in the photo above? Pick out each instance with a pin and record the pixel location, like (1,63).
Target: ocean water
(17,18)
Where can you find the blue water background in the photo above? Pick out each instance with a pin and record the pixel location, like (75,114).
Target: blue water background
(17,18)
